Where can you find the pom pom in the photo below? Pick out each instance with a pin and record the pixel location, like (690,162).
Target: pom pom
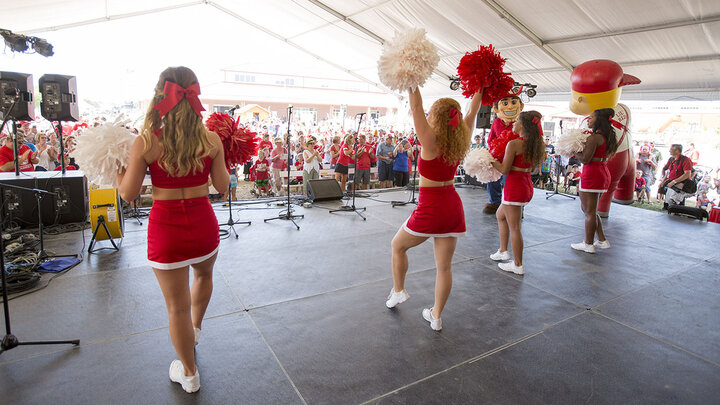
(407,61)
(572,142)
(239,143)
(483,69)
(478,163)
(103,150)
(499,143)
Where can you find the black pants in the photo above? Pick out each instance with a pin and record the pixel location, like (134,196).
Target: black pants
(402,178)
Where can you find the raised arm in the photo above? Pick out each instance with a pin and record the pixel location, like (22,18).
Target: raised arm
(422,128)
(474,108)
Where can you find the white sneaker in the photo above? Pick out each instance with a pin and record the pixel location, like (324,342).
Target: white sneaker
(512,268)
(583,246)
(500,256)
(435,323)
(177,374)
(197,336)
(396,298)
(602,244)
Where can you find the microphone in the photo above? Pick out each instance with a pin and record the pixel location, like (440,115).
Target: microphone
(360,115)
(231,111)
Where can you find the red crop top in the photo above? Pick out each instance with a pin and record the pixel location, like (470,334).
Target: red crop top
(437,169)
(600,151)
(520,162)
(160,177)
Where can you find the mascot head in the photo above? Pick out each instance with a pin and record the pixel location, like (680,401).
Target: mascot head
(508,108)
(597,84)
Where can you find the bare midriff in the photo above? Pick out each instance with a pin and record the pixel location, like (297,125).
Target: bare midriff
(159,193)
(424,182)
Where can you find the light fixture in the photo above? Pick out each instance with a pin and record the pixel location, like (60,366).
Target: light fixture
(42,47)
(454,83)
(21,43)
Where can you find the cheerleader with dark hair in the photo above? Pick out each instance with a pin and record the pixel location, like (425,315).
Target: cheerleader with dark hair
(595,178)
(521,156)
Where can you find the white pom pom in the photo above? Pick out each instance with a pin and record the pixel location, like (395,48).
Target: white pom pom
(478,163)
(572,142)
(407,60)
(102,151)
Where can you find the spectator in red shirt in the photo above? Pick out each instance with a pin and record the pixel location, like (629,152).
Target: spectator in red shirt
(334,151)
(265,144)
(7,156)
(365,153)
(693,154)
(640,184)
(347,156)
(677,170)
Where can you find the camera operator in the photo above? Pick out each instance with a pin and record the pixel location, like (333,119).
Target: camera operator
(677,170)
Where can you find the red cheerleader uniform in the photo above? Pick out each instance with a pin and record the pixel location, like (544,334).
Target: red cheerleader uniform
(595,177)
(518,188)
(439,212)
(181,232)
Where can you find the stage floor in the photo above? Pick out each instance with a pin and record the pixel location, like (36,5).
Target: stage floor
(300,317)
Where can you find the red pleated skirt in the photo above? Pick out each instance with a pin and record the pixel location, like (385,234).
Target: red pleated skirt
(595,177)
(439,213)
(518,188)
(181,233)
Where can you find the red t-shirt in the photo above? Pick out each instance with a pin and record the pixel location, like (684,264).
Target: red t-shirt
(373,159)
(344,159)
(7,155)
(334,148)
(265,145)
(640,182)
(363,161)
(262,169)
(678,167)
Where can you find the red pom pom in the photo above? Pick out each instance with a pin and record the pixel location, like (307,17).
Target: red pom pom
(483,69)
(499,143)
(240,144)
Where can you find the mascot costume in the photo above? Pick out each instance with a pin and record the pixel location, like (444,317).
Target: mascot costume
(597,84)
(507,110)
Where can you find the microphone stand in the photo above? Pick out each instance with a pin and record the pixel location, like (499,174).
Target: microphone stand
(231,222)
(353,208)
(288,215)
(412,198)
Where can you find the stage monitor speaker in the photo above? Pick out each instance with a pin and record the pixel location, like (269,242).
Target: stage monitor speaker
(70,204)
(324,190)
(59,98)
(484,117)
(23,82)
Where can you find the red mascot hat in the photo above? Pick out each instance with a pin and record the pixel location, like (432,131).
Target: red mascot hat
(599,75)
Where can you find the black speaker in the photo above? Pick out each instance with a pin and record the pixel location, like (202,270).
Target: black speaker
(70,204)
(324,190)
(23,82)
(484,117)
(59,98)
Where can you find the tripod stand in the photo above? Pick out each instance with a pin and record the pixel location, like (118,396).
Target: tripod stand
(288,214)
(10,341)
(557,182)
(412,196)
(352,207)
(231,223)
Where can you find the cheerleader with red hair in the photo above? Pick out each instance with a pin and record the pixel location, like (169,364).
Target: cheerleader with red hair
(445,137)
(183,230)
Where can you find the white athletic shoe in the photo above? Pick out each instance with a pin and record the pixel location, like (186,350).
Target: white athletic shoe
(602,244)
(197,336)
(500,256)
(583,246)
(435,323)
(512,268)
(396,298)
(177,374)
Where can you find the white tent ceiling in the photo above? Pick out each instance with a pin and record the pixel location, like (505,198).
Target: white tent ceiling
(673,46)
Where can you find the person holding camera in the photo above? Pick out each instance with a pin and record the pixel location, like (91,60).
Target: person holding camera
(311,162)
(401,165)
(677,170)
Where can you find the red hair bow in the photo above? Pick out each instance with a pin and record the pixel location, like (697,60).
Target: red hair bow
(174,93)
(536,120)
(454,115)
